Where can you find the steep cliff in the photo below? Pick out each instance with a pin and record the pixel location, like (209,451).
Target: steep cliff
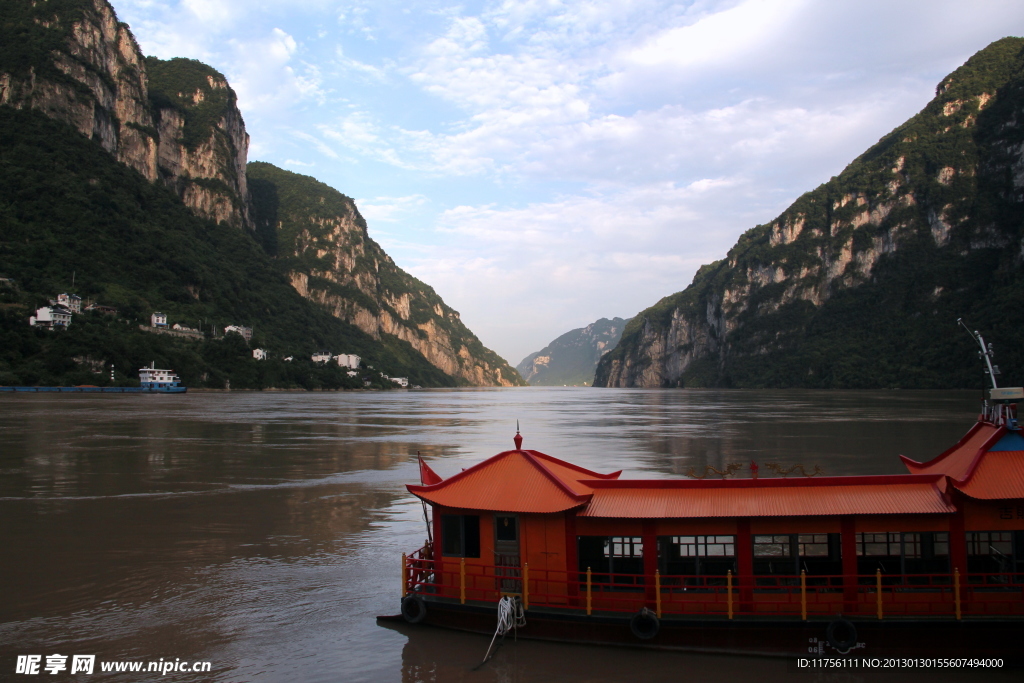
(75,62)
(572,358)
(321,244)
(860,282)
(203,146)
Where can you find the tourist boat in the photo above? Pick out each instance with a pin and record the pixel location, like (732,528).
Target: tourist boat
(924,564)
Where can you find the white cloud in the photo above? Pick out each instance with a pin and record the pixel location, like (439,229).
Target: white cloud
(726,36)
(389,209)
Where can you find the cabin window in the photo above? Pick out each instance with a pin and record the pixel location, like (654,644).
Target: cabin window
(692,557)
(460,535)
(610,557)
(506,528)
(789,554)
(908,552)
(990,552)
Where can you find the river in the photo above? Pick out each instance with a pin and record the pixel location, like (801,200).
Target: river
(261,532)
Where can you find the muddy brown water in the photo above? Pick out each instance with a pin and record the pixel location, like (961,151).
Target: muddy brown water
(262,532)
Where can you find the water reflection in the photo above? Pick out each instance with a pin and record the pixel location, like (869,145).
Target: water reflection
(262,532)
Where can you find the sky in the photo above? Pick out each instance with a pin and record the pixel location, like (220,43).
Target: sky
(543,164)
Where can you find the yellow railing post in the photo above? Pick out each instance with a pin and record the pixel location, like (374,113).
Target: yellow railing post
(728,590)
(526,585)
(878,591)
(462,581)
(803,594)
(588,591)
(956,590)
(657,591)
(405,577)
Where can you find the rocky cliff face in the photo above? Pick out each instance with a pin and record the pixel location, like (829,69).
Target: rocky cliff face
(321,244)
(572,358)
(75,62)
(860,282)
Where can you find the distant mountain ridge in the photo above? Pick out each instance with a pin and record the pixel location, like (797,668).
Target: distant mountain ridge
(859,283)
(572,358)
(176,123)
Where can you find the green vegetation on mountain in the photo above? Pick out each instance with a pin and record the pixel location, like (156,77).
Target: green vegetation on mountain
(860,282)
(197,91)
(30,32)
(69,210)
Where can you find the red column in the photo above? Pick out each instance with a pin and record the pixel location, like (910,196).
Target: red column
(438,545)
(650,539)
(848,534)
(958,538)
(745,563)
(571,558)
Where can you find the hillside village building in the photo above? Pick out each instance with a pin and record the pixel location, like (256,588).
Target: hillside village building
(246,332)
(51,317)
(259,354)
(322,356)
(158,319)
(72,302)
(348,360)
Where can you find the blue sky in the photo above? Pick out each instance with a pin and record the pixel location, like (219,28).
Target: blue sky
(543,164)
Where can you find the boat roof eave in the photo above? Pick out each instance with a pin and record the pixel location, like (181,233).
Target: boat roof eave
(767,482)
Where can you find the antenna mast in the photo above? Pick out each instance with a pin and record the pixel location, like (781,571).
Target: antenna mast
(986,352)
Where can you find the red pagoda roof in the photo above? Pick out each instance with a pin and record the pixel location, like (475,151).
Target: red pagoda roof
(987,463)
(513,481)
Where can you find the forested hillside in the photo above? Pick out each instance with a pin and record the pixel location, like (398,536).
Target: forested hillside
(69,210)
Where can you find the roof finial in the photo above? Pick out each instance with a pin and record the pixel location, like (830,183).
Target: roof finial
(517,438)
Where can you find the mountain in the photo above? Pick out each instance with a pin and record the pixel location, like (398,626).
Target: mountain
(173,121)
(320,243)
(572,358)
(126,177)
(860,282)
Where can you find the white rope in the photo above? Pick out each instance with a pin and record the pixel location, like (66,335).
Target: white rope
(510,616)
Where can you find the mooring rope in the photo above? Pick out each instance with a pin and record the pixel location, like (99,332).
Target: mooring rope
(510,616)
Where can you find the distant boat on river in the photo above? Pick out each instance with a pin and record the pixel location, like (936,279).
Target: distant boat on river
(152,380)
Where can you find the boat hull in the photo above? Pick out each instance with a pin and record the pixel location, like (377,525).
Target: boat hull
(989,638)
(98,390)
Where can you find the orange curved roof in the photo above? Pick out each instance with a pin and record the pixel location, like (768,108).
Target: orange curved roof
(958,461)
(1000,474)
(514,481)
(900,494)
(987,463)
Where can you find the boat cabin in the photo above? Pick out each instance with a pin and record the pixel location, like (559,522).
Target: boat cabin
(946,538)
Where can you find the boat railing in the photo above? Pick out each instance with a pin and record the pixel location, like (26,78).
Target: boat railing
(802,596)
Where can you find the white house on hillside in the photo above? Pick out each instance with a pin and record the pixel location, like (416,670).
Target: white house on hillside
(246,332)
(158,319)
(72,302)
(51,317)
(400,381)
(259,354)
(348,360)
(322,356)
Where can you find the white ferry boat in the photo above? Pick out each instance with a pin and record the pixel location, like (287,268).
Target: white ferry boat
(152,379)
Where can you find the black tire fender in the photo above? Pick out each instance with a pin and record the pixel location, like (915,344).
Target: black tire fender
(842,635)
(414,609)
(644,624)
